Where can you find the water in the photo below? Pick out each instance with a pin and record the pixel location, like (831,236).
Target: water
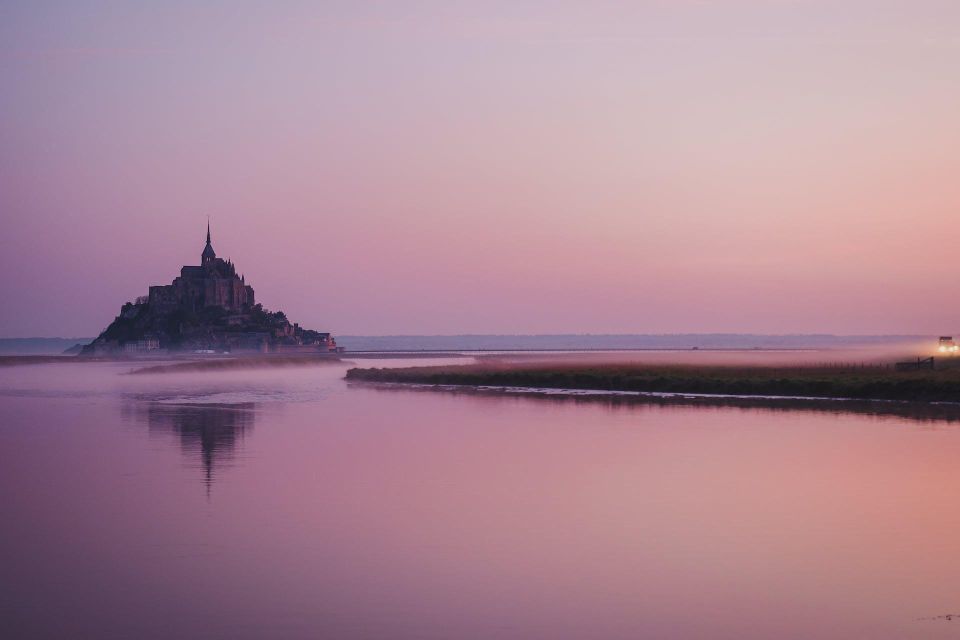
(285,503)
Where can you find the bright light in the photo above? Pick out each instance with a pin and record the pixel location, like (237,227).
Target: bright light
(943,349)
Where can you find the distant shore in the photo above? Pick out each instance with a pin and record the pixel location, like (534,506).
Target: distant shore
(870,382)
(13,361)
(185,357)
(186,361)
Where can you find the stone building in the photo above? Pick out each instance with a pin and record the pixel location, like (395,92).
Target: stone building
(214,283)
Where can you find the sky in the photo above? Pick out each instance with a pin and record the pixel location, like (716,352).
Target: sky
(662,166)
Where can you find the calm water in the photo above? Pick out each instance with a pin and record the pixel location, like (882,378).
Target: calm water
(288,504)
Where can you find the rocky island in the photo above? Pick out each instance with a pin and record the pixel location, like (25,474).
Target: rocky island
(209,307)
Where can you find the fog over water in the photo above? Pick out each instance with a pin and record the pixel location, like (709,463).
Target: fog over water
(286,503)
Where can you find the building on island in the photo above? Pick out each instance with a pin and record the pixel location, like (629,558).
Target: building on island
(208,307)
(214,283)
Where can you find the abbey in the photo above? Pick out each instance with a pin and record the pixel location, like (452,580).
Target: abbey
(208,307)
(214,283)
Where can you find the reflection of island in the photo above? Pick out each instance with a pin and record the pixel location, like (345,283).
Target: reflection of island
(210,432)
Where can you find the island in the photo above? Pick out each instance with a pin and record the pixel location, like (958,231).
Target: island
(209,308)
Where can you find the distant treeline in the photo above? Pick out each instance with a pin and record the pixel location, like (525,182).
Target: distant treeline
(858,382)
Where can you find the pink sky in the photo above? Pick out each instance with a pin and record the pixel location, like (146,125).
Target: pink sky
(768,166)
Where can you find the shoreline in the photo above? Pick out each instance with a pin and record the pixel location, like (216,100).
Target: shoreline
(657,395)
(191,358)
(235,364)
(918,411)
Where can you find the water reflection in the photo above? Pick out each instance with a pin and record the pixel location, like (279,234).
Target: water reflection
(407,515)
(208,433)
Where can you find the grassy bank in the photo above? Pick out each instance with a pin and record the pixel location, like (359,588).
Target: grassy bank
(869,382)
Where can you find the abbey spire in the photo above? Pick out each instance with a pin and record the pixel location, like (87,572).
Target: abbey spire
(208,255)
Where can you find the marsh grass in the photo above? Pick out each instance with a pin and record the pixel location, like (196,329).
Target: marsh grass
(876,382)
